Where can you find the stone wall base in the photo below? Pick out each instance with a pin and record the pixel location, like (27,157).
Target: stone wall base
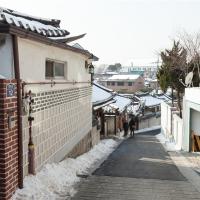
(91,139)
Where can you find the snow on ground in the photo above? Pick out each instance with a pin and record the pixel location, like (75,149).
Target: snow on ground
(57,180)
(169,145)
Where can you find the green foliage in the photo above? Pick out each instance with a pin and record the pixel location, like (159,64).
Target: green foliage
(173,68)
(163,77)
(116,67)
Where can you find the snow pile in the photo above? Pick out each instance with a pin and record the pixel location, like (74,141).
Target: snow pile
(57,180)
(167,143)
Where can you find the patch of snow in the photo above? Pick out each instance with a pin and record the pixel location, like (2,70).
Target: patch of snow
(2,77)
(57,180)
(100,95)
(33,25)
(124,77)
(150,100)
(167,143)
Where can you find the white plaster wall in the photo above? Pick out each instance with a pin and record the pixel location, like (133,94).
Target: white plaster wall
(148,123)
(193,94)
(33,55)
(164,118)
(56,128)
(195,121)
(177,130)
(6,58)
(167,124)
(191,103)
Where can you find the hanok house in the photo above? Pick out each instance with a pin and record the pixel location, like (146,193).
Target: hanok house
(101,97)
(45,97)
(125,83)
(150,110)
(116,112)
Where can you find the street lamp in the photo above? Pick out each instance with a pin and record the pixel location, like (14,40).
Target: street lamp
(91,71)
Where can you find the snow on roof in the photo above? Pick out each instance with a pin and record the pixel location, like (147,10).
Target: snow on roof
(103,87)
(151,101)
(40,26)
(2,77)
(58,38)
(163,97)
(78,46)
(121,102)
(133,109)
(99,95)
(124,77)
(148,79)
(111,73)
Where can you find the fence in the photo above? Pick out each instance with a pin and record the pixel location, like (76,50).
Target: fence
(171,124)
(149,121)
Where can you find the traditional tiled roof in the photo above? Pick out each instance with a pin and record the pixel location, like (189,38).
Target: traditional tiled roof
(122,102)
(43,30)
(45,27)
(100,95)
(151,101)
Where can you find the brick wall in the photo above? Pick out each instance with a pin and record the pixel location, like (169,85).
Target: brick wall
(8,141)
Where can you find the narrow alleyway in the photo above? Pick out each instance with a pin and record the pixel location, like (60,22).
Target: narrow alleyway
(139,169)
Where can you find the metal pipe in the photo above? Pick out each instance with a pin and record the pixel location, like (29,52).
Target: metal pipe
(31,147)
(54,82)
(19,112)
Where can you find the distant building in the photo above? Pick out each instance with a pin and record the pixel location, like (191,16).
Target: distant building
(151,83)
(125,83)
(104,75)
(145,67)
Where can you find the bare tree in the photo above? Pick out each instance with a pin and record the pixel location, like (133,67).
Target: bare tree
(191,42)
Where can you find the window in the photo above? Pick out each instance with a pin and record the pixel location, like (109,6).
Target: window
(120,83)
(54,69)
(129,83)
(108,83)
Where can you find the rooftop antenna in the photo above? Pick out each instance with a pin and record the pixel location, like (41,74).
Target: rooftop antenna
(188,79)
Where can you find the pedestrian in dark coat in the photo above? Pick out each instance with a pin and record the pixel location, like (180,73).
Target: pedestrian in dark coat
(132,126)
(125,126)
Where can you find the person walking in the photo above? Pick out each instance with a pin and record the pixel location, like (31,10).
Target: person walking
(125,126)
(132,126)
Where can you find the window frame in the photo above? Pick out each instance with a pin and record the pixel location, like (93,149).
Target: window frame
(130,84)
(120,83)
(54,66)
(113,83)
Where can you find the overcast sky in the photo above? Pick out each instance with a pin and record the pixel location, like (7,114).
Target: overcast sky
(118,30)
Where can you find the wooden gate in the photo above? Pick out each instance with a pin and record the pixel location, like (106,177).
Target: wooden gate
(195,142)
(110,124)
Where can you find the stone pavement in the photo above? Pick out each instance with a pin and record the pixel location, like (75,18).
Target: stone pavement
(139,169)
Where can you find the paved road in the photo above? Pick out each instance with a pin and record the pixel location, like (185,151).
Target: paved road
(139,169)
